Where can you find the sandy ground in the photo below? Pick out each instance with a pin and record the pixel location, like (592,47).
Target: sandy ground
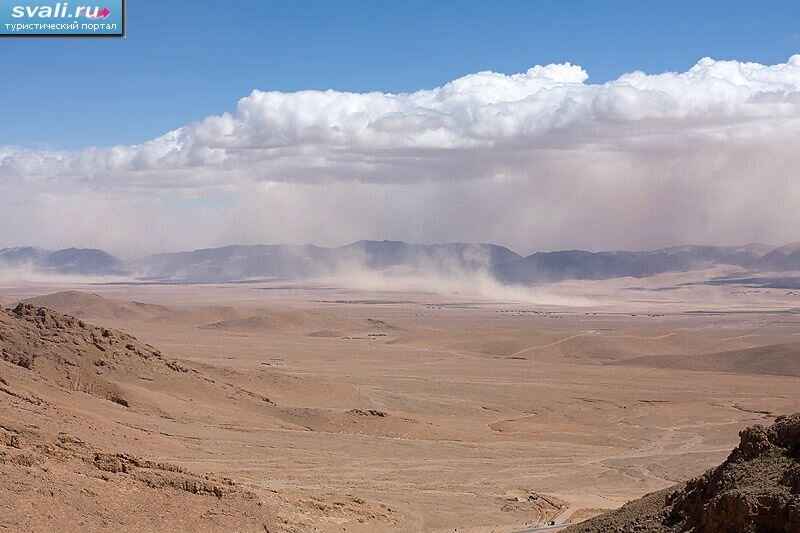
(448,412)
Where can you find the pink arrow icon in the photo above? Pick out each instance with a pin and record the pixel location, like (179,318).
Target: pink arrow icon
(102,14)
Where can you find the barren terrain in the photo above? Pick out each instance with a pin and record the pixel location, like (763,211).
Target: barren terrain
(336,408)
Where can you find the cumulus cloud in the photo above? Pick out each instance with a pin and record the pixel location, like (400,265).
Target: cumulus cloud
(535,160)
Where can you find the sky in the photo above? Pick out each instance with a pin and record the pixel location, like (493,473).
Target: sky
(219,122)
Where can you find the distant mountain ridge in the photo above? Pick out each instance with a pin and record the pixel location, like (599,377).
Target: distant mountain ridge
(242,262)
(303,261)
(69,261)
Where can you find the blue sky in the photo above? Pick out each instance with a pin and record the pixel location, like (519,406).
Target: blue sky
(182,61)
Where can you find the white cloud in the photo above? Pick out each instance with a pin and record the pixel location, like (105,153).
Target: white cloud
(540,159)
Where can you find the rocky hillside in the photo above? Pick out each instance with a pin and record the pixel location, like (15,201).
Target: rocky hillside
(757,489)
(74,355)
(56,375)
(89,414)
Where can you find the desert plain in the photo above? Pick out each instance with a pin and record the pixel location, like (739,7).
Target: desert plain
(394,409)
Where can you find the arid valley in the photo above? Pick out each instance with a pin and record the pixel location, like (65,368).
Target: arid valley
(338,409)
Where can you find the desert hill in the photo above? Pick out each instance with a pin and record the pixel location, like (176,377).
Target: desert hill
(756,489)
(87,305)
(69,261)
(775,359)
(222,318)
(93,306)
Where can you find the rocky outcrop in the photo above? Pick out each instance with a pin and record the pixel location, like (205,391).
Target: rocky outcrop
(756,489)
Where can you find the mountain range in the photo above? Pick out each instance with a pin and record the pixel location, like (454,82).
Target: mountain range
(242,262)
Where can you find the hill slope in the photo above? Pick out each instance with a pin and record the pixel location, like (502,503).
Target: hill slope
(87,413)
(775,359)
(46,465)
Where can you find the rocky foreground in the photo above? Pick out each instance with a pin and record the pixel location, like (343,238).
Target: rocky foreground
(756,489)
(54,477)
(91,419)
